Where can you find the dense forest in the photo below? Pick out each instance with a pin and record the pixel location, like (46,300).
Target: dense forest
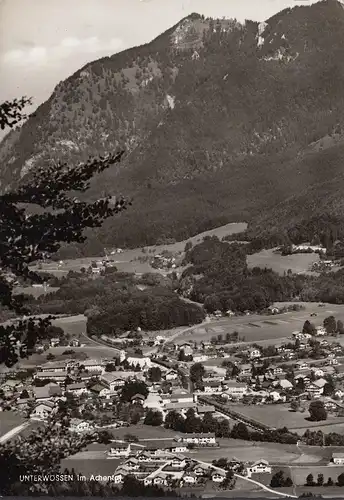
(218,277)
(119,302)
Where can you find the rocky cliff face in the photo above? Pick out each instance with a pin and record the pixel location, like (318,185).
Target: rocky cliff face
(221,122)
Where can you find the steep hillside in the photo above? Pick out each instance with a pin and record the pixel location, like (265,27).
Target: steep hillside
(221,122)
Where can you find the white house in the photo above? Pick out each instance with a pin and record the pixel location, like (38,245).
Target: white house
(78,389)
(92,365)
(254,353)
(260,467)
(213,386)
(199,439)
(43,410)
(318,372)
(58,366)
(246,370)
(285,384)
(190,478)
(78,425)
(170,375)
(302,365)
(119,450)
(338,458)
(235,389)
(314,391)
(138,359)
(218,476)
(321,331)
(199,358)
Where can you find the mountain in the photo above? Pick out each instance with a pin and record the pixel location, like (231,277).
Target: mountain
(221,122)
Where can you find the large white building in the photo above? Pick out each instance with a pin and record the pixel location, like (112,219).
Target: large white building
(138,359)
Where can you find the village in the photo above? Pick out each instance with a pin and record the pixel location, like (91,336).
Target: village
(164,409)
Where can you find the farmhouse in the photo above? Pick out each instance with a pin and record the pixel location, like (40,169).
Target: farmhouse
(320,331)
(314,390)
(160,447)
(212,386)
(78,425)
(47,392)
(57,366)
(119,450)
(139,360)
(254,353)
(199,439)
(171,375)
(235,389)
(218,477)
(338,458)
(43,410)
(285,384)
(190,478)
(77,388)
(138,399)
(302,365)
(246,370)
(259,467)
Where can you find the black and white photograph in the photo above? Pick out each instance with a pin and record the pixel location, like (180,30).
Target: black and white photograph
(172,248)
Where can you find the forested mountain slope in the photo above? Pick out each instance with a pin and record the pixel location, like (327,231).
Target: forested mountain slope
(221,122)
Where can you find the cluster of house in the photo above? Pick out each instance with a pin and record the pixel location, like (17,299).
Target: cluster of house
(164,262)
(307,247)
(162,463)
(167,463)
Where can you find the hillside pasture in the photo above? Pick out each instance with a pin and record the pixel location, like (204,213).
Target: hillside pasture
(127,261)
(298,263)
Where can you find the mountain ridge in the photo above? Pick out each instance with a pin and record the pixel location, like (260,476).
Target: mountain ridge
(221,122)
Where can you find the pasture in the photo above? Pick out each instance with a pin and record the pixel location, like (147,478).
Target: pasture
(72,325)
(248,453)
(280,416)
(8,421)
(34,291)
(298,263)
(259,328)
(300,473)
(144,432)
(128,260)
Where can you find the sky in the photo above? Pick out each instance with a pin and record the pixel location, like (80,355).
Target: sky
(44,41)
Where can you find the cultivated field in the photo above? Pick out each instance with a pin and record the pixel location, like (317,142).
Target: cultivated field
(298,263)
(127,261)
(248,451)
(254,328)
(280,416)
(300,473)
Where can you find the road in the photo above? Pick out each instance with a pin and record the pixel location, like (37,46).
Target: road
(13,432)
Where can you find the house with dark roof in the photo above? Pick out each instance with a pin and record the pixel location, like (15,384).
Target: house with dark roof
(47,392)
